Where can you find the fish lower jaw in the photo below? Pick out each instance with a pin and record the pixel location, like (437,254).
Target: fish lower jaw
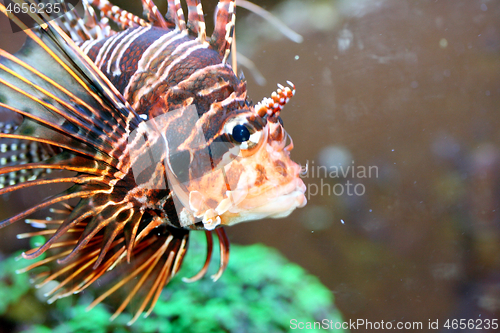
(278,206)
(282,206)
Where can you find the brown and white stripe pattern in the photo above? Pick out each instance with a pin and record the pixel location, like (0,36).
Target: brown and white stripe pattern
(162,50)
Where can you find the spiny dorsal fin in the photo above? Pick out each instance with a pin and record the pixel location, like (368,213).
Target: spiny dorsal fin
(222,36)
(196,20)
(153,14)
(118,15)
(176,14)
(72,24)
(97,28)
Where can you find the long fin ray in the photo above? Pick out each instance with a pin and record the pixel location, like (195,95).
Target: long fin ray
(65,161)
(79,214)
(78,71)
(64,196)
(78,105)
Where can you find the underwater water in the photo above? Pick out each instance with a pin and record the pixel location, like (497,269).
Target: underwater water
(410,89)
(396,116)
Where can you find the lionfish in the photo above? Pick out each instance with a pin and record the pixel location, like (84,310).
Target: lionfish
(160,138)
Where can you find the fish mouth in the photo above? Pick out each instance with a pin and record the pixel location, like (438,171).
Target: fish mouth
(282,203)
(270,202)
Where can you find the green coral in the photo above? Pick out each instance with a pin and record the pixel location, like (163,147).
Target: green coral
(259,292)
(12,285)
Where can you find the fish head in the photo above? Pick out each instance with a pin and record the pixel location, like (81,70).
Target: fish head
(233,166)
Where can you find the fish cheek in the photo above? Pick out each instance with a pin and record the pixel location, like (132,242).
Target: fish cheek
(261,175)
(201,165)
(233,175)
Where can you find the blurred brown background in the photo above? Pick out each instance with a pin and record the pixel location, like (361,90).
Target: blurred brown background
(413,89)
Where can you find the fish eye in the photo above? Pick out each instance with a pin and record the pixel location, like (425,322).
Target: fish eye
(254,140)
(241,133)
(247,135)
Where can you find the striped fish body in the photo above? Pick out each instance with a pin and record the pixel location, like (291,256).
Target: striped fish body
(158,69)
(162,138)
